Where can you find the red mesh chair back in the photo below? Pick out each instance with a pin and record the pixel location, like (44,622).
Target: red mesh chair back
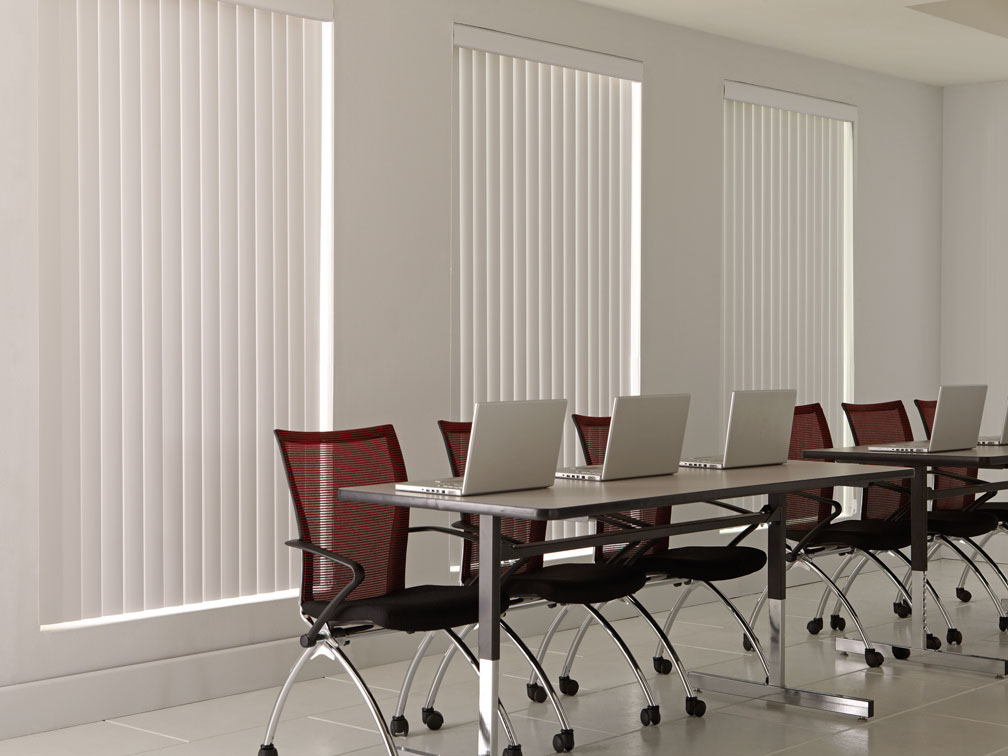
(593,432)
(880,423)
(456,438)
(318,464)
(926,408)
(809,430)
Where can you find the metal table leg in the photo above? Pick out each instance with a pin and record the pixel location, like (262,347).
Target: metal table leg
(489,633)
(776,688)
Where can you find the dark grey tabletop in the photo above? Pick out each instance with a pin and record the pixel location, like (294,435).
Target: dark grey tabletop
(979,456)
(575,498)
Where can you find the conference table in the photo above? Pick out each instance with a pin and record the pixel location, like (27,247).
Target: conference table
(983,457)
(574,499)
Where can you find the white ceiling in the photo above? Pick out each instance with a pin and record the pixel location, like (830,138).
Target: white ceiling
(946,42)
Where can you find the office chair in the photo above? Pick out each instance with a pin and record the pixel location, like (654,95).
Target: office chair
(687,565)
(587,585)
(353,569)
(952,478)
(884,422)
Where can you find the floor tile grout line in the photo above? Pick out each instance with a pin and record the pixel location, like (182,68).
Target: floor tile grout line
(973,721)
(144,729)
(317,718)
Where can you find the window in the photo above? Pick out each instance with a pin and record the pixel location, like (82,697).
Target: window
(188,171)
(788,183)
(547,280)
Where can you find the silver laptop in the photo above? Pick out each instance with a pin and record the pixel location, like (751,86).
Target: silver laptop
(645,438)
(514,446)
(956,422)
(1001,440)
(759,431)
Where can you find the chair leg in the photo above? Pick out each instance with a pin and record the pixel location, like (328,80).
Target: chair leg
(694,706)
(467,654)
(760,602)
(746,628)
(365,692)
(428,714)
(837,622)
(267,748)
(872,657)
(399,725)
(952,635)
(547,639)
(903,597)
(979,550)
(568,686)
(672,615)
(650,714)
(565,738)
(961,593)
(976,571)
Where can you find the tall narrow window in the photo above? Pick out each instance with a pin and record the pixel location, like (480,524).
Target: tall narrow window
(547,268)
(187,240)
(788,187)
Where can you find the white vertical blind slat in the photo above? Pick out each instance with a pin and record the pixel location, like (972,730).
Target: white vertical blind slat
(232,131)
(110,303)
(193,443)
(132,309)
(211,400)
(90,309)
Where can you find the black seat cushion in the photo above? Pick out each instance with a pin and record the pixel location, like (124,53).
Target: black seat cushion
(575,583)
(869,535)
(997,508)
(957,523)
(415,609)
(704,562)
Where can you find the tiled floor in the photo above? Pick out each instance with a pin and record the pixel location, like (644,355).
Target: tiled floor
(919,711)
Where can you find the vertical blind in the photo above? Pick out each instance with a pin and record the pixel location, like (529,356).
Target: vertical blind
(787,254)
(187,183)
(548,262)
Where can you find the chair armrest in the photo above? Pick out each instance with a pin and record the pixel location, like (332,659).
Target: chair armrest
(310,638)
(731,507)
(836,509)
(890,487)
(749,528)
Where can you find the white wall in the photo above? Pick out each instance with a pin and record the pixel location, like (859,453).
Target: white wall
(393,215)
(974,260)
(975,242)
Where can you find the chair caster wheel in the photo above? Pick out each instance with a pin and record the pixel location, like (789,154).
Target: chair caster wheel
(745,642)
(836,622)
(568,686)
(563,741)
(815,625)
(662,665)
(933,642)
(513,750)
(695,707)
(963,595)
(399,726)
(1002,623)
(900,653)
(650,715)
(432,718)
(267,750)
(873,658)
(535,692)
(952,637)
(902,609)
